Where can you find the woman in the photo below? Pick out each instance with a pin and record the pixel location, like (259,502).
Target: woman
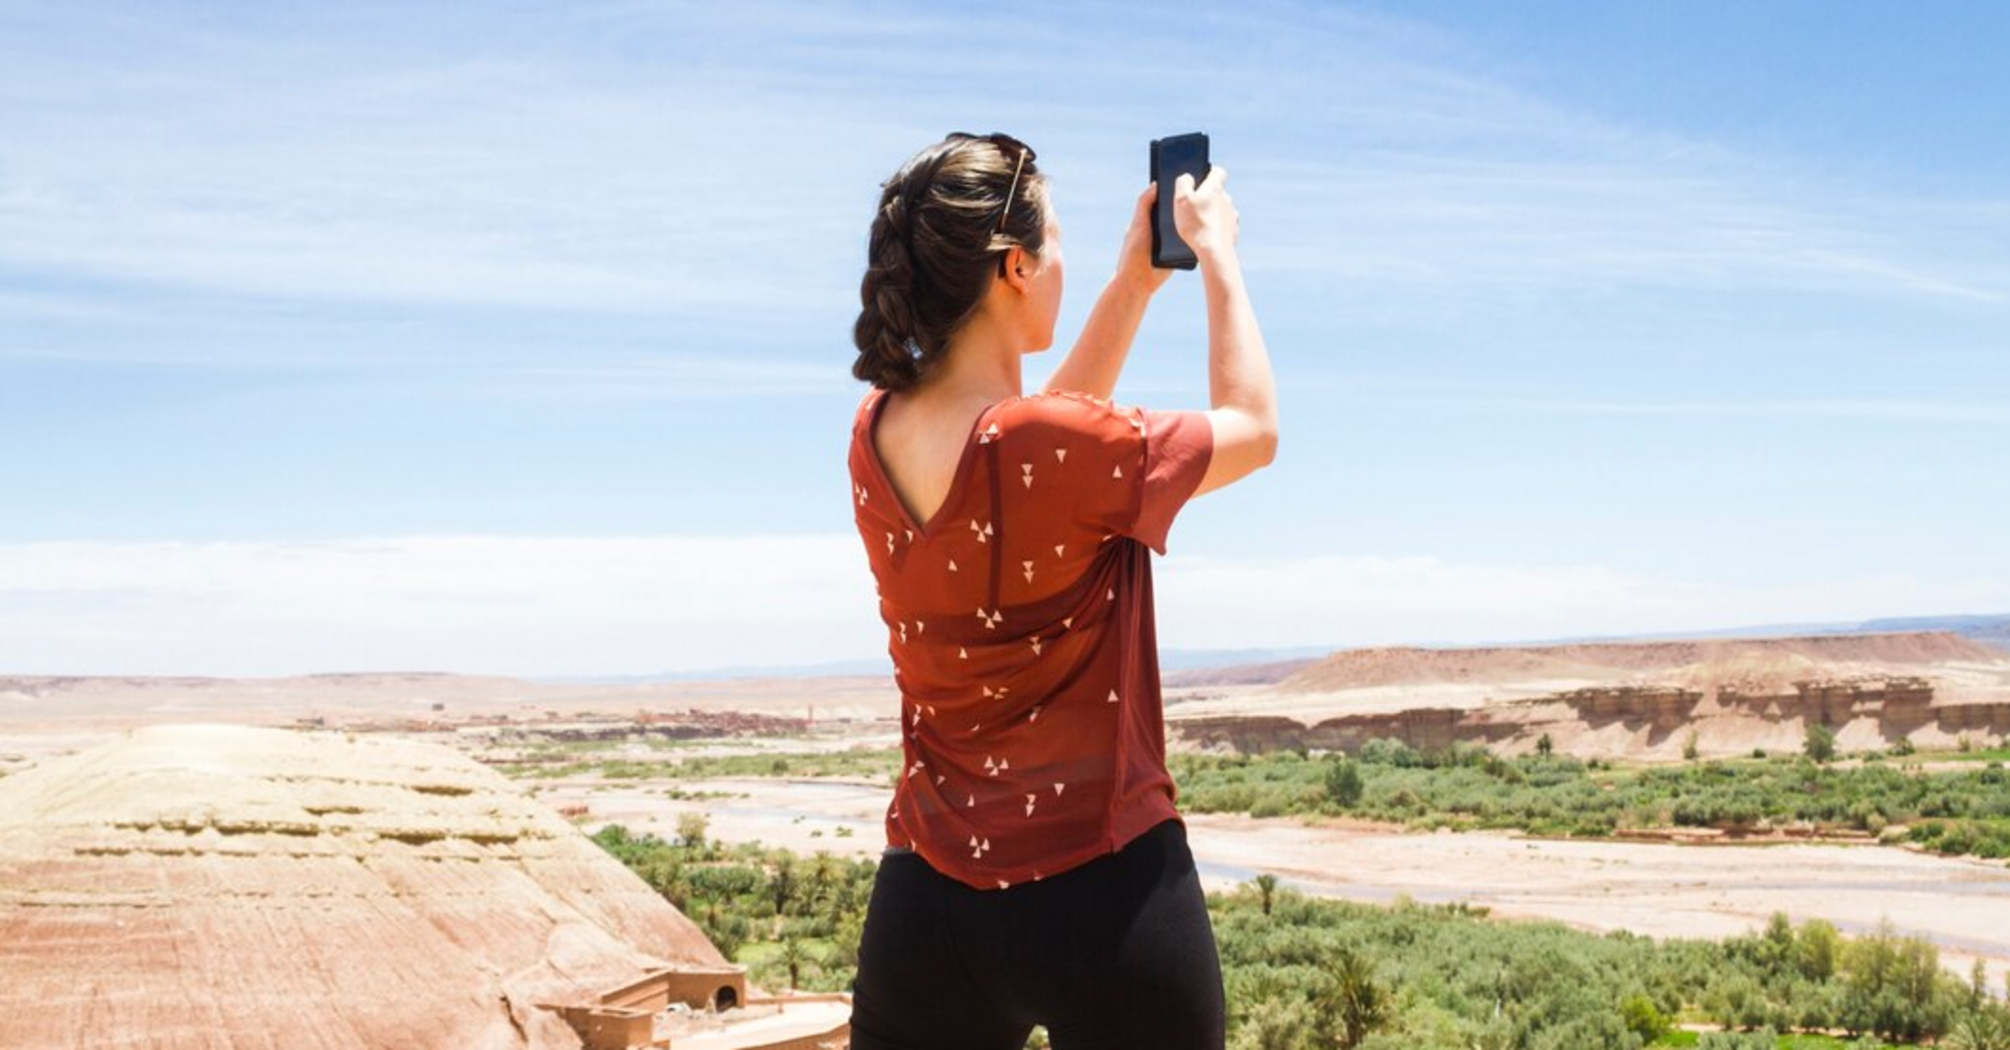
(1036,868)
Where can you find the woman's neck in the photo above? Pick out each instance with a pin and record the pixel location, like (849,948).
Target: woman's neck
(980,363)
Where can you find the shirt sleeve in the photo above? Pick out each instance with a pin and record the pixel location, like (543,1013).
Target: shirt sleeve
(1142,464)
(1178,445)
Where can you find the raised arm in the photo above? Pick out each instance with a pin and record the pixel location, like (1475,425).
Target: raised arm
(1097,358)
(1240,385)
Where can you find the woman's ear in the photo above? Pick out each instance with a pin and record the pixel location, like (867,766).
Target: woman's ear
(1015,267)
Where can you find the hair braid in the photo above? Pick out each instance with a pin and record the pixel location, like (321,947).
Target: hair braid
(930,254)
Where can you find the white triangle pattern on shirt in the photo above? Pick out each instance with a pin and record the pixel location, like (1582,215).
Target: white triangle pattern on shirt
(984,532)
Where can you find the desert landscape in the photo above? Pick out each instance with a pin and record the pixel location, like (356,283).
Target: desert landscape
(122,796)
(503,501)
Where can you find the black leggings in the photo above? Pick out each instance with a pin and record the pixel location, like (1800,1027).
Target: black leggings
(1115,954)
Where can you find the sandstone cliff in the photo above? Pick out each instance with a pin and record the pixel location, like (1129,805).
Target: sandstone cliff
(1631,698)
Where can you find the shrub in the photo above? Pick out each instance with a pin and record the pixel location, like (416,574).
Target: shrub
(1819,743)
(1343,783)
(1385,751)
(1643,1018)
(691,829)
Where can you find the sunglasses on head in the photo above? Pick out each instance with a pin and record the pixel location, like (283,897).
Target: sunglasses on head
(1009,145)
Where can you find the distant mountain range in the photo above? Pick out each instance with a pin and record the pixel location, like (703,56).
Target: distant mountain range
(1992,629)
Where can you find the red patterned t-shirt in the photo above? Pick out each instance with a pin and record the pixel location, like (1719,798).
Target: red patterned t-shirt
(1019,620)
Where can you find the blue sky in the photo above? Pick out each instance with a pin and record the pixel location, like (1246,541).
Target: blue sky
(371,336)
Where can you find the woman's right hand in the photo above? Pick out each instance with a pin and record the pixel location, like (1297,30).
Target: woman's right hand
(1205,216)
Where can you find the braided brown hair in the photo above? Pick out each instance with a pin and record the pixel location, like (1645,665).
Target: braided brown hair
(931,253)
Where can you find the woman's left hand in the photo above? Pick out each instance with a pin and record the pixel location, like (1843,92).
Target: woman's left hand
(1134,263)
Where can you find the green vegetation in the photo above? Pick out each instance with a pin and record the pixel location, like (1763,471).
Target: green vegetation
(1343,783)
(691,829)
(682,795)
(1819,743)
(1466,787)
(756,902)
(1455,979)
(1303,972)
(1962,810)
(573,761)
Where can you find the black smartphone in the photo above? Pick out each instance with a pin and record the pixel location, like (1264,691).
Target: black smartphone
(1170,158)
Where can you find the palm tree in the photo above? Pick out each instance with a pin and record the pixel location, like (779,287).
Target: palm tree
(793,956)
(1359,1002)
(1266,884)
(1984,1029)
(782,884)
(822,873)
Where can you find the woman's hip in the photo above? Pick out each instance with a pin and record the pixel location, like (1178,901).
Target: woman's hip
(1120,946)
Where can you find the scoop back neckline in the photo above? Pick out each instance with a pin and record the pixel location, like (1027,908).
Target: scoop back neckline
(957,478)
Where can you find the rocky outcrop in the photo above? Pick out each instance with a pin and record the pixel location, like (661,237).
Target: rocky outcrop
(1974,719)
(1638,698)
(1900,705)
(1831,700)
(1249,735)
(1660,709)
(232,886)
(1651,717)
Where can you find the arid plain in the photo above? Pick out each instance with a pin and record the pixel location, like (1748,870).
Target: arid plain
(1641,702)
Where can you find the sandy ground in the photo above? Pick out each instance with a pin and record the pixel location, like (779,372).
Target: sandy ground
(1656,889)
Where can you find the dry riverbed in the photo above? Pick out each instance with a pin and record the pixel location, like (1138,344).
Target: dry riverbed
(1657,889)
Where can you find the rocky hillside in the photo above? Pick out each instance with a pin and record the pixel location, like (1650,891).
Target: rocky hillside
(1774,660)
(203,885)
(1621,698)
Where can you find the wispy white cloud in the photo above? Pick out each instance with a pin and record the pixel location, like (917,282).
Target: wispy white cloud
(628,159)
(558,173)
(555,605)
(526,605)
(1621,218)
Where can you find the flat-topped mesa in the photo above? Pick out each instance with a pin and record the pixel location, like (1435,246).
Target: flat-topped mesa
(318,889)
(1630,698)
(1593,661)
